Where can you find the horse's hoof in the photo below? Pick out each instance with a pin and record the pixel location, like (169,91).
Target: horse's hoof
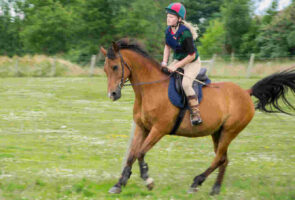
(115,190)
(150,183)
(192,190)
(215,190)
(150,186)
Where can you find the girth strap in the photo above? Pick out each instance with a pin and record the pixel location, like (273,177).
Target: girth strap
(178,121)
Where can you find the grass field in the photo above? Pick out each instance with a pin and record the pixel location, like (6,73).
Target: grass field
(62,138)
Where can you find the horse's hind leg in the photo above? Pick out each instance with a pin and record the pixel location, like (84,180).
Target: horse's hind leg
(217,185)
(222,168)
(225,138)
(222,139)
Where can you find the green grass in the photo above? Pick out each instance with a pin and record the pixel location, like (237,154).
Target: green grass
(62,138)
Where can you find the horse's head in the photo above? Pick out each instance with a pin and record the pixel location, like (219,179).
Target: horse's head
(115,70)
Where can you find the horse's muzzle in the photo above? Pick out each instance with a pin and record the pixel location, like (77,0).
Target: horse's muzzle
(115,95)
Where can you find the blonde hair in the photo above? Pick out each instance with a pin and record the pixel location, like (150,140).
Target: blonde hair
(193,28)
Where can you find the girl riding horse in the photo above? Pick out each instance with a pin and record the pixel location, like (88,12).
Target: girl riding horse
(229,109)
(180,36)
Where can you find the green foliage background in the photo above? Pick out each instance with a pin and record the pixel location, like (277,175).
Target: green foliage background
(75,29)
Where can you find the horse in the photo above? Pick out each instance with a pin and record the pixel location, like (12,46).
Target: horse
(226,109)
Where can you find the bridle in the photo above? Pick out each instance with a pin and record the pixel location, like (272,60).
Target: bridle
(123,63)
(122,83)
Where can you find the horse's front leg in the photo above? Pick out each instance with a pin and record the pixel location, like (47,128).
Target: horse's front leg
(139,137)
(153,137)
(143,167)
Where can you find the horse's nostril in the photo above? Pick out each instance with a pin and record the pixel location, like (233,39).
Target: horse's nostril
(114,93)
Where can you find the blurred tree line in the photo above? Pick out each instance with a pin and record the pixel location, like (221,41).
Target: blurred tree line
(75,29)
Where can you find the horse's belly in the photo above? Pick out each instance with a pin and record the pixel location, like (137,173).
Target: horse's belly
(196,131)
(209,126)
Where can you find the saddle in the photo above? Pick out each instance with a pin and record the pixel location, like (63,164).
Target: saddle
(177,95)
(202,76)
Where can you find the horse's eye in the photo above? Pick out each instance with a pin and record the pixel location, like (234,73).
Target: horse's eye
(115,67)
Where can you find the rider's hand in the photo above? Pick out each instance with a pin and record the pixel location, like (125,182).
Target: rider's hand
(165,70)
(172,68)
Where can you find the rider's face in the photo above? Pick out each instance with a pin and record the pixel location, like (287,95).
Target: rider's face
(171,19)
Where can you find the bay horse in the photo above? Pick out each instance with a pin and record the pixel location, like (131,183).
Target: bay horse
(226,109)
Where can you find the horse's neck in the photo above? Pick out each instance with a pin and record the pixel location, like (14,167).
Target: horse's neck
(143,70)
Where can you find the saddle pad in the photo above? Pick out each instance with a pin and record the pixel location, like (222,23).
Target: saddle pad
(176,98)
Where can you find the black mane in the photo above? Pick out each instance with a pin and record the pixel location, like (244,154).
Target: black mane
(130,44)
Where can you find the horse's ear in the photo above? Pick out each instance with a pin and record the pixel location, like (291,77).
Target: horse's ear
(115,47)
(102,50)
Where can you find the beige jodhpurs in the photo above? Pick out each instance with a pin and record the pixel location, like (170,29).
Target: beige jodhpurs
(191,71)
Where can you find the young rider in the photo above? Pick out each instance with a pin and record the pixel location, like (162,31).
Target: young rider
(180,36)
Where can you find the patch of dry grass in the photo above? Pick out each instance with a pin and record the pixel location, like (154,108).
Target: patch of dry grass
(240,68)
(41,66)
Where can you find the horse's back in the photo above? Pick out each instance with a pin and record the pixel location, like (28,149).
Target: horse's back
(237,99)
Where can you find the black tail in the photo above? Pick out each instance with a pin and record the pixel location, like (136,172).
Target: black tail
(269,90)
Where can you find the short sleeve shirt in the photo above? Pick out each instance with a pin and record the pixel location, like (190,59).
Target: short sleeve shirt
(187,47)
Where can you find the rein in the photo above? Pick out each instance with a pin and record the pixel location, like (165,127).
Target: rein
(123,63)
